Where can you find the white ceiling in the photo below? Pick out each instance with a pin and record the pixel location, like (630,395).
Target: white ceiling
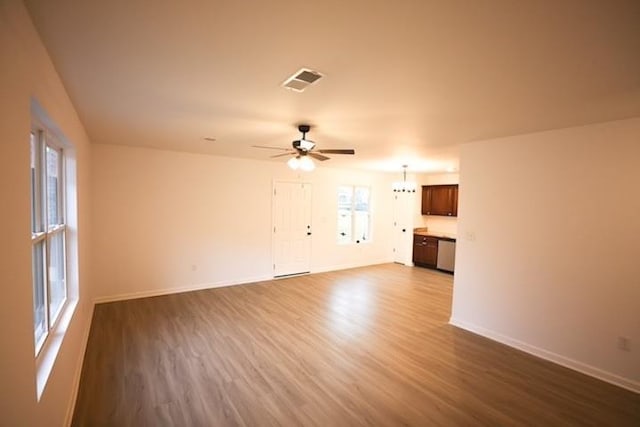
(405,81)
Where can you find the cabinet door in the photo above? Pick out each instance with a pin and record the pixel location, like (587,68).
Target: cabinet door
(454,202)
(431,252)
(425,251)
(419,253)
(426,200)
(440,200)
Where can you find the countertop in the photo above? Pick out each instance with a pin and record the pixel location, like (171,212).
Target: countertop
(433,233)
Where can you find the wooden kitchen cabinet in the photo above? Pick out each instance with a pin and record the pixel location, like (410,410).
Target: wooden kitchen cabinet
(425,251)
(440,200)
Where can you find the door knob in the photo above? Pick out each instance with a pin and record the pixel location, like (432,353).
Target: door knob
(404,230)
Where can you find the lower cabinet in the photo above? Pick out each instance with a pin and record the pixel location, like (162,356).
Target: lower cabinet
(425,251)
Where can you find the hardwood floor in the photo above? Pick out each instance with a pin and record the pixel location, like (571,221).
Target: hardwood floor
(368,346)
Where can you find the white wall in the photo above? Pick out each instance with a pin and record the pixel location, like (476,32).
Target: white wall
(156,214)
(26,71)
(441,224)
(554,265)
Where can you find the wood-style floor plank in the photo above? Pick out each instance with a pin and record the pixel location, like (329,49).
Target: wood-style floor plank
(367,346)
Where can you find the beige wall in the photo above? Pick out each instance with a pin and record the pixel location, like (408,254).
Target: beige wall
(156,214)
(26,72)
(548,245)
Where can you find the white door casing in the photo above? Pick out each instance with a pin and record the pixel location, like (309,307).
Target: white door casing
(292,231)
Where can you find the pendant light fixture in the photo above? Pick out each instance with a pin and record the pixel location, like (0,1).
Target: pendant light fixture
(404,186)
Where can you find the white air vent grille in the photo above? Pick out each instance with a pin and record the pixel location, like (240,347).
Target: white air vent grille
(301,79)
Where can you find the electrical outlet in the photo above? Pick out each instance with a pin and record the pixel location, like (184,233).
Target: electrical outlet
(624,344)
(194,267)
(470,236)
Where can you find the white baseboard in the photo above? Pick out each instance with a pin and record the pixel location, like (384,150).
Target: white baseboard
(179,289)
(78,371)
(221,284)
(575,365)
(338,267)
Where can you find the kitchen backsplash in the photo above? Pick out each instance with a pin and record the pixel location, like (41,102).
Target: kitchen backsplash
(443,224)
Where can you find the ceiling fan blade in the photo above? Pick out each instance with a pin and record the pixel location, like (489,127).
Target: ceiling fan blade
(318,156)
(284,154)
(271,148)
(337,151)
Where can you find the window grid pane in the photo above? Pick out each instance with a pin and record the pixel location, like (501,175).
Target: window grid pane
(53,186)
(39,298)
(362,199)
(344,226)
(56,274)
(361,226)
(36,217)
(345,195)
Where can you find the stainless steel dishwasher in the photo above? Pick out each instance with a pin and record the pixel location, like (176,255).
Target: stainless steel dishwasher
(446,255)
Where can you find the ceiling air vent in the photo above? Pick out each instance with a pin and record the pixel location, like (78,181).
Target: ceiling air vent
(301,79)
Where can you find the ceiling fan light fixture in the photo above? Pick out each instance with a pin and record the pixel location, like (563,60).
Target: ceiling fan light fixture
(303,150)
(294,162)
(306,145)
(306,164)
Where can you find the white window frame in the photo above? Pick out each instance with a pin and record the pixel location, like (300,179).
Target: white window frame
(354,238)
(43,232)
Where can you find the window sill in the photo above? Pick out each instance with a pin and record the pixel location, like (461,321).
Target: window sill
(47,357)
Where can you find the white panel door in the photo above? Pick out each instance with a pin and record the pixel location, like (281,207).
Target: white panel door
(291,228)
(402,228)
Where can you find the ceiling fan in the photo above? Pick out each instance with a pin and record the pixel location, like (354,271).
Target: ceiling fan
(305,149)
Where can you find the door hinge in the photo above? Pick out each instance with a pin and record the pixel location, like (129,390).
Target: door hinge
(274,228)
(274,191)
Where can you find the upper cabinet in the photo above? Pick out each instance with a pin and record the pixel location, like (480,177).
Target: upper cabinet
(440,200)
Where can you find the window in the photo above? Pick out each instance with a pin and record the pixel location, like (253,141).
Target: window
(354,214)
(48,232)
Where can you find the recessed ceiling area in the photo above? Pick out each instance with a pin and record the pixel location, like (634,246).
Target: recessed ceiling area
(403,82)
